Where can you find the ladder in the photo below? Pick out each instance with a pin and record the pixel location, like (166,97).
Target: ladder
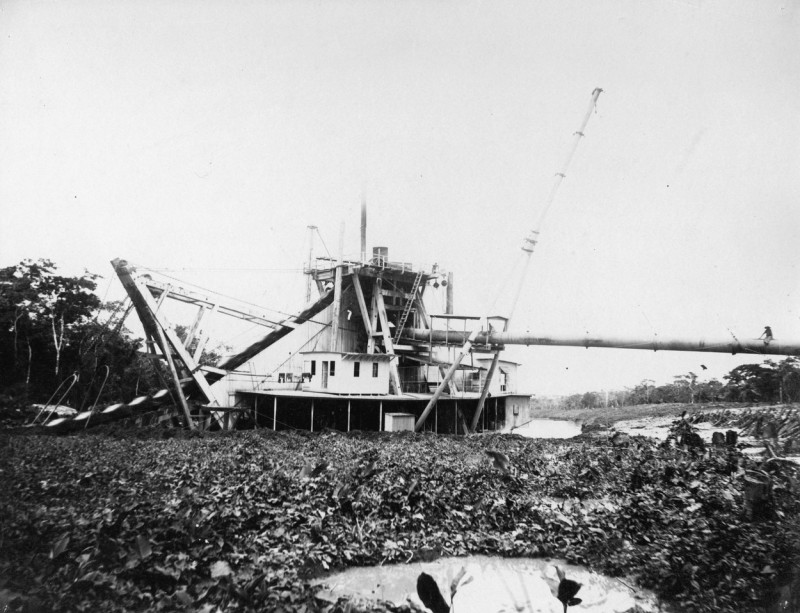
(401,323)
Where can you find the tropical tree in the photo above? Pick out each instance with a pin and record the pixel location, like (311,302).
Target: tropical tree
(41,314)
(753,382)
(789,379)
(53,325)
(685,387)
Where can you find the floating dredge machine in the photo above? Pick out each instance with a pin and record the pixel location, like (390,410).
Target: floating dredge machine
(373,356)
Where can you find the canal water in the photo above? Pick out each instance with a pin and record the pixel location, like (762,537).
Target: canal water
(548,428)
(489,585)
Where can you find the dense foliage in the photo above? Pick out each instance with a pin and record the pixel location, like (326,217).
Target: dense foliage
(242,521)
(52,326)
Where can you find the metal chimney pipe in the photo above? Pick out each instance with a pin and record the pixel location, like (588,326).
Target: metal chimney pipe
(449,293)
(363,229)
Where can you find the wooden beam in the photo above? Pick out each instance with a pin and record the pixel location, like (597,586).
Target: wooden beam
(362,303)
(337,309)
(164,290)
(485,391)
(397,294)
(425,320)
(337,294)
(465,349)
(162,297)
(284,327)
(127,312)
(201,344)
(172,338)
(373,319)
(387,343)
(451,385)
(195,325)
(173,371)
(213,369)
(157,326)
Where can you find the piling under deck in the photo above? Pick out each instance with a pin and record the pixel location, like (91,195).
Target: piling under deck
(315,411)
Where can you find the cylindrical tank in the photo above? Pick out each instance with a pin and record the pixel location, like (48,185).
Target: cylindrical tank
(380,256)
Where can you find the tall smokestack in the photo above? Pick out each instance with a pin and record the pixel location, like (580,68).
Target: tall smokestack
(449,294)
(363,229)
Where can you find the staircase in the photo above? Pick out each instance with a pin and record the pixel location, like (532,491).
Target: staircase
(401,323)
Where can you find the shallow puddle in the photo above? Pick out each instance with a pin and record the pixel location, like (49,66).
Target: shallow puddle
(548,428)
(489,585)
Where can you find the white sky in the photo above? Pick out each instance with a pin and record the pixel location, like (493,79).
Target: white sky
(208,134)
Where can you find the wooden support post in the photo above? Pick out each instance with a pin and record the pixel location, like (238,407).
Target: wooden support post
(275,414)
(425,320)
(452,388)
(380,416)
(312,415)
(122,319)
(337,293)
(149,343)
(453,367)
(311,230)
(337,309)
(387,343)
(485,390)
(195,326)
(182,399)
(255,410)
(362,306)
(348,416)
(373,318)
(168,337)
(161,298)
(171,338)
(201,344)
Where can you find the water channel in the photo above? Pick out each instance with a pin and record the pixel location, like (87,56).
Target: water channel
(549,428)
(489,585)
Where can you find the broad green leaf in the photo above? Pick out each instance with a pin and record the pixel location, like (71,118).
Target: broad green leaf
(220,569)
(59,547)
(143,546)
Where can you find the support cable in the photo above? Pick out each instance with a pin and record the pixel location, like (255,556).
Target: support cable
(92,408)
(529,243)
(73,378)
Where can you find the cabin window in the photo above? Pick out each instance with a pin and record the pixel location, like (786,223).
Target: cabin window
(374,369)
(476,375)
(313,367)
(356,369)
(288,377)
(333,369)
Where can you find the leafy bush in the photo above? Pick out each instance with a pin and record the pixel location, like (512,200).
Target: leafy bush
(243,521)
